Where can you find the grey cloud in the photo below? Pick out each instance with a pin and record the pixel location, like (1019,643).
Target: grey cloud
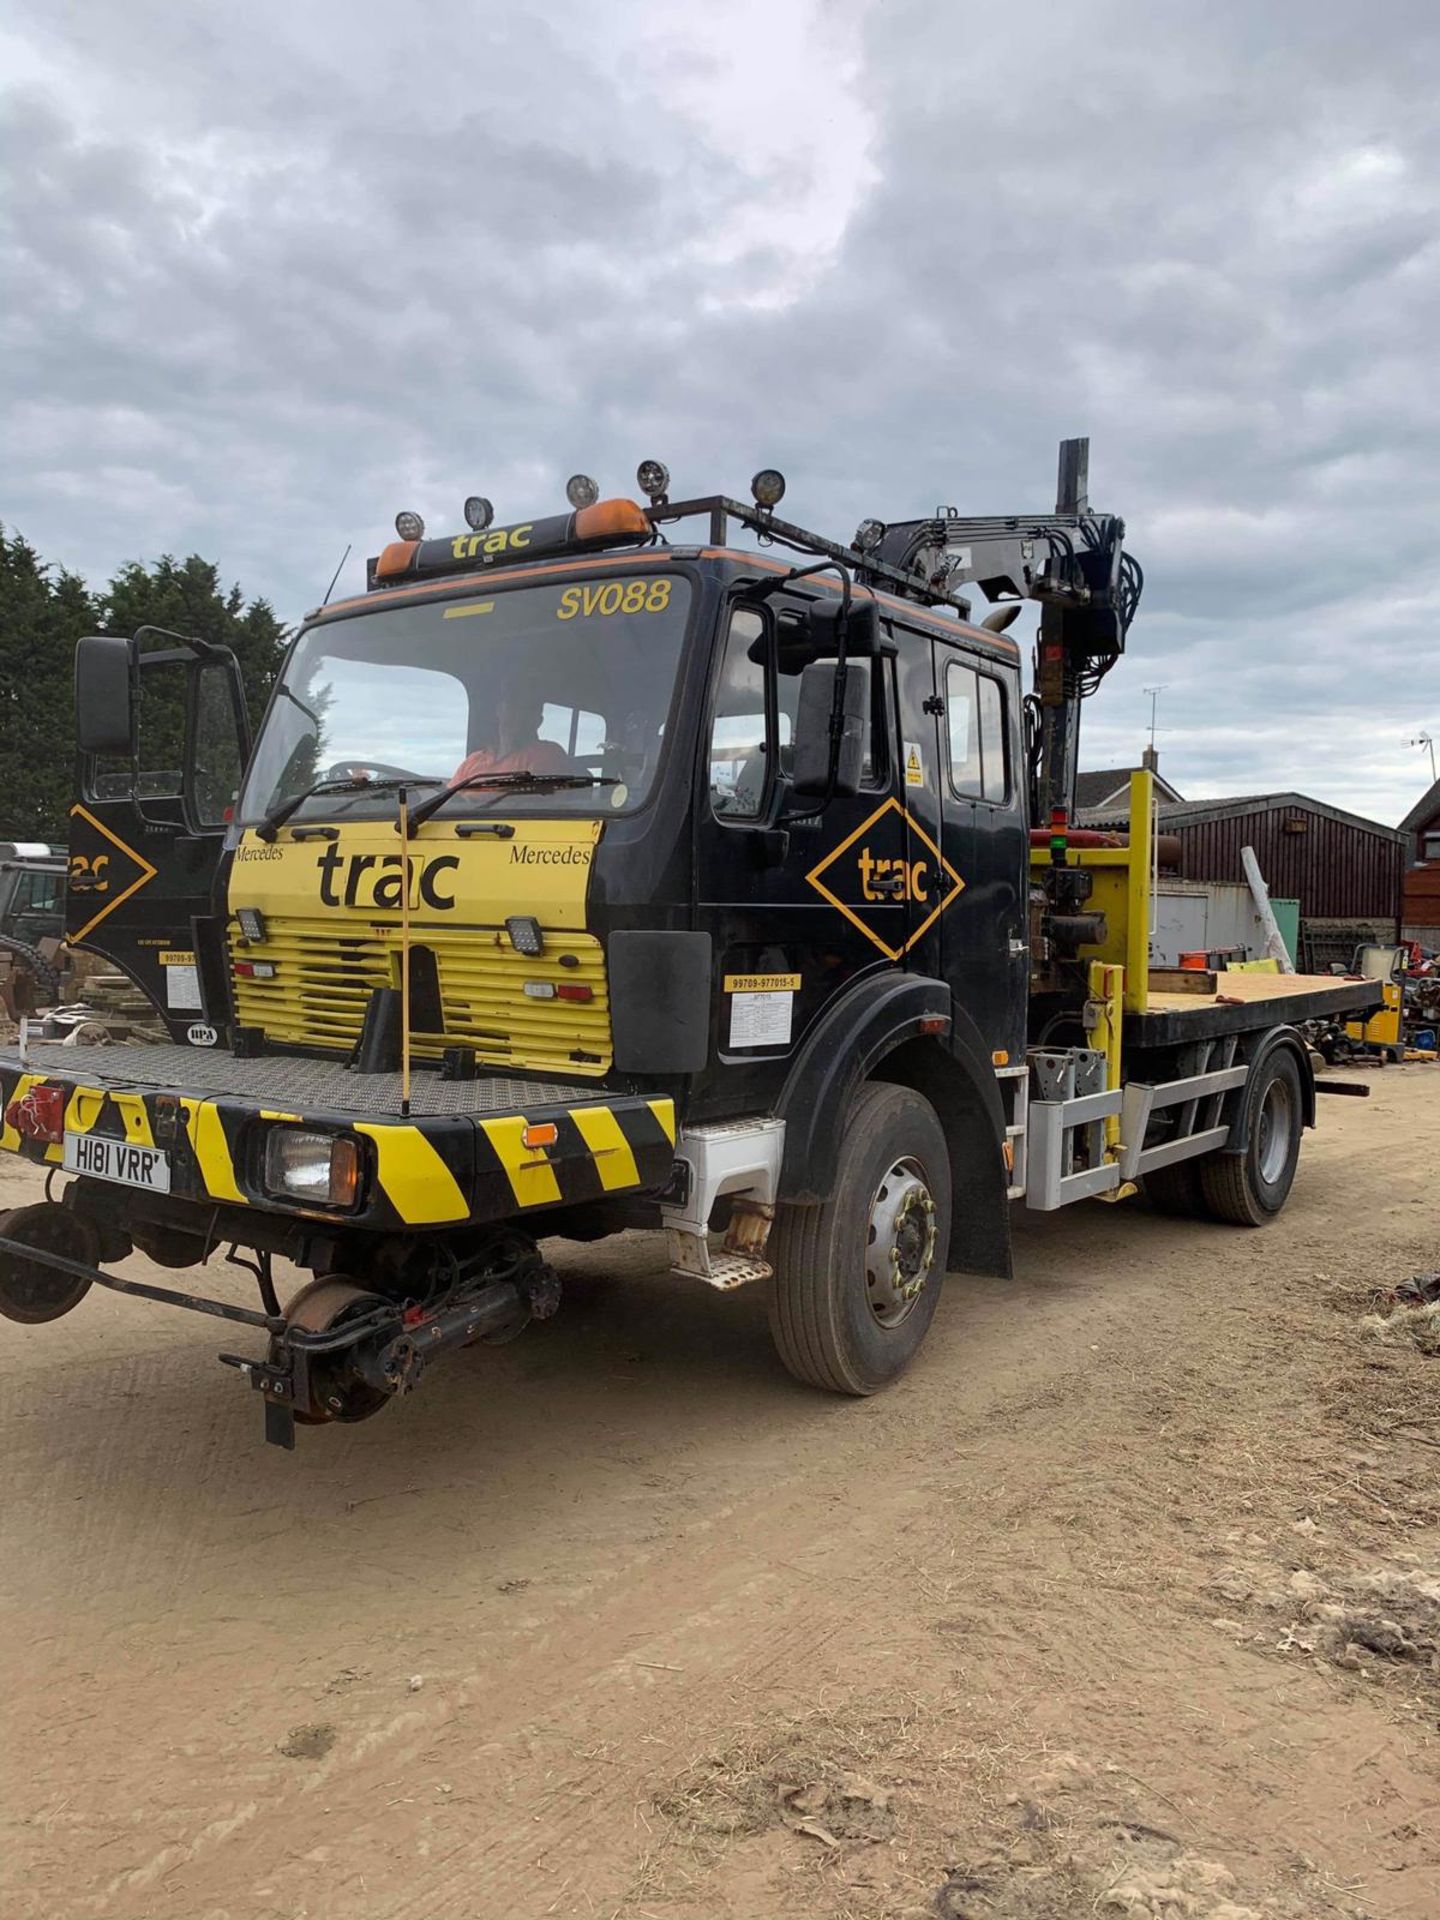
(279,274)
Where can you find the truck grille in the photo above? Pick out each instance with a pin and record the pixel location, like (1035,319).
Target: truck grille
(323,980)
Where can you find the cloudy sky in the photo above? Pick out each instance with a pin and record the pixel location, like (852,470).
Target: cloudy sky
(271,272)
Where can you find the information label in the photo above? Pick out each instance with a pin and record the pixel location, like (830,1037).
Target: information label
(182,983)
(761,1019)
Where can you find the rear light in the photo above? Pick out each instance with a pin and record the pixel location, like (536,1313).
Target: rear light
(38,1115)
(566,990)
(322,1169)
(255,969)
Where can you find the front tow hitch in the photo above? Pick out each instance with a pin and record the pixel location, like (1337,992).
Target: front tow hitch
(344,1352)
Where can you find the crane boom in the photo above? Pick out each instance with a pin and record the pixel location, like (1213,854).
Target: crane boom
(1073,563)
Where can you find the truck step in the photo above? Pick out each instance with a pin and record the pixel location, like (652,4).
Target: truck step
(716,1266)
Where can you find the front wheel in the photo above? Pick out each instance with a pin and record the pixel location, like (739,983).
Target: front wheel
(1249,1189)
(857,1278)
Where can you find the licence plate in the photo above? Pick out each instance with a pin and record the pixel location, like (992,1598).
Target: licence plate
(118,1160)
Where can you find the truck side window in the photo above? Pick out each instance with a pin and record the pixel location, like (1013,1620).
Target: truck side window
(158,772)
(975,715)
(218,769)
(740,738)
(743,750)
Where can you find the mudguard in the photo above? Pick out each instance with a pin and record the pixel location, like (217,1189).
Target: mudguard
(1270,1042)
(875,1018)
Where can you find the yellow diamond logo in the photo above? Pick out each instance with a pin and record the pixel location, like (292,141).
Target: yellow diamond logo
(888,862)
(104,872)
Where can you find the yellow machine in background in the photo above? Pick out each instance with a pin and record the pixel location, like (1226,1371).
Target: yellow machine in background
(1381,1029)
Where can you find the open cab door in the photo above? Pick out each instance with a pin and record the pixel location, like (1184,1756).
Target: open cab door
(163,739)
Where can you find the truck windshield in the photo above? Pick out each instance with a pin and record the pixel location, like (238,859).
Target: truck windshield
(569,679)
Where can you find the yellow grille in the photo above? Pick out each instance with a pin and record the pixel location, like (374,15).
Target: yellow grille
(324,977)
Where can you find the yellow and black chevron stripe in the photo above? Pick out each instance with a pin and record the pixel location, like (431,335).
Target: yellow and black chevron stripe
(426,1172)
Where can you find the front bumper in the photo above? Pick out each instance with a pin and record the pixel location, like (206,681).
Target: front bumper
(459,1157)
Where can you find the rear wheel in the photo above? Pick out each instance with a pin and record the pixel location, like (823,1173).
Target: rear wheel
(857,1278)
(1249,1189)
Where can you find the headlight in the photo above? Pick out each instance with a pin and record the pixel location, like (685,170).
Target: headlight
(321,1169)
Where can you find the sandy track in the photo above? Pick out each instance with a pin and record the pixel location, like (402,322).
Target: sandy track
(664,1606)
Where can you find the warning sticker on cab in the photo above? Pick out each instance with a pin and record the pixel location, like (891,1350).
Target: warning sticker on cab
(914,764)
(762,983)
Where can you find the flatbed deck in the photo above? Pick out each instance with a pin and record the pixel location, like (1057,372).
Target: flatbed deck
(1241,1002)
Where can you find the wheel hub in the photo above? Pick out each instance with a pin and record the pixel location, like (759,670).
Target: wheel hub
(336,1392)
(1274,1130)
(900,1248)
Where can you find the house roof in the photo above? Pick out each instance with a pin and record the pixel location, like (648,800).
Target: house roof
(1185,813)
(1094,789)
(1425,809)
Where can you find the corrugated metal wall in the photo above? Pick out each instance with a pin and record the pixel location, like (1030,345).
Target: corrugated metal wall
(1336,872)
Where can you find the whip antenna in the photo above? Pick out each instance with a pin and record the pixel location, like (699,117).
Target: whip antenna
(335,576)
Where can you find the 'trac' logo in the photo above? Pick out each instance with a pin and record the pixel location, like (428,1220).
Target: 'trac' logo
(887,865)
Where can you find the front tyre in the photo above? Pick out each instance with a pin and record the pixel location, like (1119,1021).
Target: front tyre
(1249,1189)
(857,1278)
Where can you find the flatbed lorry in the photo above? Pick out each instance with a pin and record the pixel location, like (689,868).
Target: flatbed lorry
(598,872)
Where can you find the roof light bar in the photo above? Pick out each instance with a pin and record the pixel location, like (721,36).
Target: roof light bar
(610,519)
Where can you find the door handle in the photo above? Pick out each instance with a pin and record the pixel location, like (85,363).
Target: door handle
(890,884)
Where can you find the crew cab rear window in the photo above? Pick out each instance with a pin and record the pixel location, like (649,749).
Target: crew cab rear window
(975,719)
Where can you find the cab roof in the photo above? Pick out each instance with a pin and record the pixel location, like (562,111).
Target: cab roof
(464,579)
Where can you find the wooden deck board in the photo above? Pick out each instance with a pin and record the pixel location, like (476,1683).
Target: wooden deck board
(1247,988)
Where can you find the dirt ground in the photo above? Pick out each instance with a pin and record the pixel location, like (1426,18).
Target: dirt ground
(1126,1601)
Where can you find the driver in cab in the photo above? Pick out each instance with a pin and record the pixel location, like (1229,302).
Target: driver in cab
(515,745)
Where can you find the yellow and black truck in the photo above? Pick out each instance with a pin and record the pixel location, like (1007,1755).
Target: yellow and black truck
(646,865)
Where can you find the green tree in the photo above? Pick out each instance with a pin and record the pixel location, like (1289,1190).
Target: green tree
(42,613)
(185,597)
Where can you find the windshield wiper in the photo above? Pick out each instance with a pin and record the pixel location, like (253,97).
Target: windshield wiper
(522,779)
(277,816)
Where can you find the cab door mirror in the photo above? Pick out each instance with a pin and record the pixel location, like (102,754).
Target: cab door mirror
(859,622)
(829,761)
(105,695)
